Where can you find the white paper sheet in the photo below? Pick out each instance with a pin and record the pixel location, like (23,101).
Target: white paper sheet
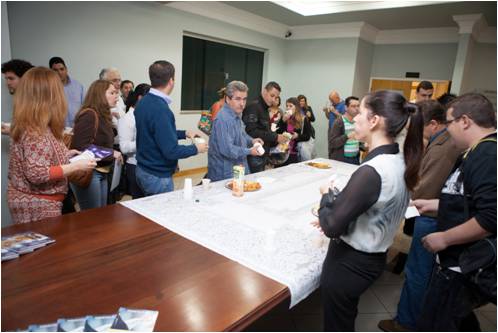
(116,175)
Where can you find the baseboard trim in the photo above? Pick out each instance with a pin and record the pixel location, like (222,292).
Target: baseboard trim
(188,172)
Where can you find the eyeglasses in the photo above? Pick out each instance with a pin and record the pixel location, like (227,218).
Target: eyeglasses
(449,121)
(238,99)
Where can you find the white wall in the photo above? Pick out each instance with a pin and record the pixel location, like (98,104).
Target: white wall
(482,75)
(92,35)
(6,116)
(314,68)
(364,58)
(433,61)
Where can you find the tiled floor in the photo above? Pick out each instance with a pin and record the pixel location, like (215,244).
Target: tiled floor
(377,303)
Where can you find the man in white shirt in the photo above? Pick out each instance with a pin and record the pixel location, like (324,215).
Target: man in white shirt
(112,74)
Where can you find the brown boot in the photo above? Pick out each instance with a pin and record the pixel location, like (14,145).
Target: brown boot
(391,325)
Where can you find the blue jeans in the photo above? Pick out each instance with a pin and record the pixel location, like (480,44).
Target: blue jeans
(418,271)
(151,184)
(95,195)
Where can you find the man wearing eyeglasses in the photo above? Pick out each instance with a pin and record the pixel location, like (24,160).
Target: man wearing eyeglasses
(466,211)
(439,157)
(229,143)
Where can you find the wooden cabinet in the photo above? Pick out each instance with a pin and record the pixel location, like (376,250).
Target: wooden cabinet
(408,87)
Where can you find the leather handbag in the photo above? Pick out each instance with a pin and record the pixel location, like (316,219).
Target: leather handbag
(478,263)
(82,178)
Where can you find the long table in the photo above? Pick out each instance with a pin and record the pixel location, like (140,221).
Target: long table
(111,257)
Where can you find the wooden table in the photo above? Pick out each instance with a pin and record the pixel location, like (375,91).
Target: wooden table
(111,257)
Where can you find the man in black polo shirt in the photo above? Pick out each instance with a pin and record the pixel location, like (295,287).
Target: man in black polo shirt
(466,214)
(257,120)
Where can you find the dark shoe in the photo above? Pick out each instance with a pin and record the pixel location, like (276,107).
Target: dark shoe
(391,325)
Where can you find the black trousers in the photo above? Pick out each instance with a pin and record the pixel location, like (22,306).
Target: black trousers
(346,274)
(291,160)
(68,203)
(449,303)
(256,163)
(133,188)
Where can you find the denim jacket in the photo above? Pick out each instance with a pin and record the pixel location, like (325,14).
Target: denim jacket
(229,145)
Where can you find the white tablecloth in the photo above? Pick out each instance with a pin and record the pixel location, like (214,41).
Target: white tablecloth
(267,231)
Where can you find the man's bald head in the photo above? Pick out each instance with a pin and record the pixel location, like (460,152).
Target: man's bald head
(334,97)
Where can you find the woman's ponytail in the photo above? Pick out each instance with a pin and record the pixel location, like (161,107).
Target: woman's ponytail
(413,147)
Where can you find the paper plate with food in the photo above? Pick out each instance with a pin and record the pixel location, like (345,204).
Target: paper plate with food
(249,186)
(319,165)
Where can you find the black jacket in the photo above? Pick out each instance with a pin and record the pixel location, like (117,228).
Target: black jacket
(474,177)
(257,120)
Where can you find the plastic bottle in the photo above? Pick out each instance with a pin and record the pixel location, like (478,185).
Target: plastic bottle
(238,180)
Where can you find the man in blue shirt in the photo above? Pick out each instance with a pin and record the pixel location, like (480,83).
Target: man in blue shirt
(336,109)
(229,142)
(74,91)
(158,150)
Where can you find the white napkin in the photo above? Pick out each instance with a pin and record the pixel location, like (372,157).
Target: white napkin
(411,211)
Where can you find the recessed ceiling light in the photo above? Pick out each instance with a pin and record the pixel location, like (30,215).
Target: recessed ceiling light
(310,8)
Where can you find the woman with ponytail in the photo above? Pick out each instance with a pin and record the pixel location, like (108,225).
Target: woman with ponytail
(362,220)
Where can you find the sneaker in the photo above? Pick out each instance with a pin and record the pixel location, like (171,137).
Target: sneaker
(391,325)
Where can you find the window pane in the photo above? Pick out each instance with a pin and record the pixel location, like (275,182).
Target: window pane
(254,73)
(214,73)
(235,64)
(192,73)
(209,66)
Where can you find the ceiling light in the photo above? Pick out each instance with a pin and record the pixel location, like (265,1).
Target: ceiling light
(310,8)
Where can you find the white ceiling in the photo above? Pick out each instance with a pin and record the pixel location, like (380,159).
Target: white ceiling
(437,23)
(435,15)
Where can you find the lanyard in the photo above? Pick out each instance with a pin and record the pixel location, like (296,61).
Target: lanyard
(477,144)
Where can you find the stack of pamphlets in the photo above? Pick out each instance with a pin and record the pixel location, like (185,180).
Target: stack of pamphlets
(91,152)
(125,319)
(18,244)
